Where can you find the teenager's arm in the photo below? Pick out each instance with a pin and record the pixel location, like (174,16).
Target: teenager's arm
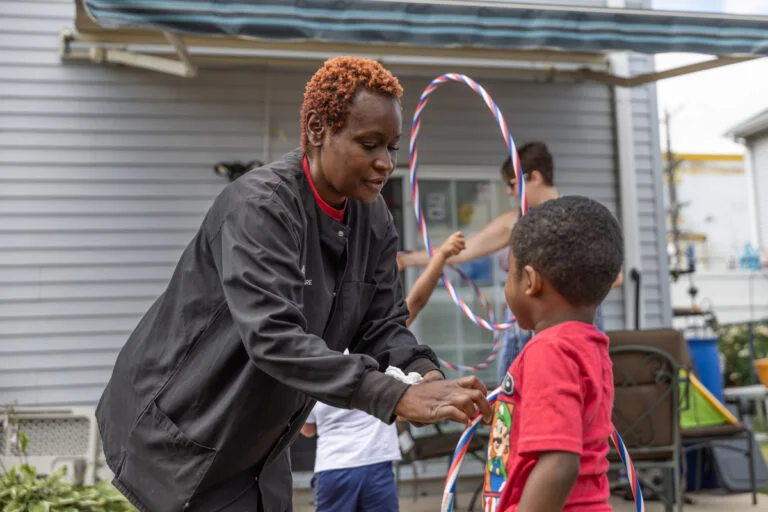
(619,280)
(425,284)
(550,482)
(492,238)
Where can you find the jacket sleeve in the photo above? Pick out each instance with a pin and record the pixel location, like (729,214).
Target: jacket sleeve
(383,333)
(256,253)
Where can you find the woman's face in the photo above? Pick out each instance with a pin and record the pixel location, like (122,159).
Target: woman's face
(357,161)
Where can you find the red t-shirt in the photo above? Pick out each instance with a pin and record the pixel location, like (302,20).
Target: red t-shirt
(557,396)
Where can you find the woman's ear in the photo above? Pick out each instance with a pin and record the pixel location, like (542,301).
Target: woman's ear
(315,129)
(532,281)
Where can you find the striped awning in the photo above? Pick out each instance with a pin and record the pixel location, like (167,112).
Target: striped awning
(441,24)
(511,38)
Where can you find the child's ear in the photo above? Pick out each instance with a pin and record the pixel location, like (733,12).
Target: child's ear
(532,281)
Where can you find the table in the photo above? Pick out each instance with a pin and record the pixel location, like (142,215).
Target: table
(757,393)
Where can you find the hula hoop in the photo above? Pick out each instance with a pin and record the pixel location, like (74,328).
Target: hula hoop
(457,459)
(496,334)
(413,166)
(489,311)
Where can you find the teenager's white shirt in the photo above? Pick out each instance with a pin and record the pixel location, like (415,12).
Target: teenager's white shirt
(351,438)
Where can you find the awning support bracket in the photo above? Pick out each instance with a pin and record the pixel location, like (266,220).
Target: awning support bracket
(184,67)
(104,52)
(644,78)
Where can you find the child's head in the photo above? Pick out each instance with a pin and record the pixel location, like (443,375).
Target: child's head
(565,255)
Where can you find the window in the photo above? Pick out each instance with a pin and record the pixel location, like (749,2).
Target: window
(449,206)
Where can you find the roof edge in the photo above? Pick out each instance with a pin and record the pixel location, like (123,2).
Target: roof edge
(751,126)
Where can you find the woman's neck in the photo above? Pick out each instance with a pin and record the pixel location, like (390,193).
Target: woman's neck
(322,186)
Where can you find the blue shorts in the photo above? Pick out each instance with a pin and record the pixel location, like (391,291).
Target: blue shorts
(362,489)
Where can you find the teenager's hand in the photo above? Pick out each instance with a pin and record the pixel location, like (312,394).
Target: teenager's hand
(435,401)
(453,245)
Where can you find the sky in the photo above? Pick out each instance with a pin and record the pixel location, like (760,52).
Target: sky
(706,104)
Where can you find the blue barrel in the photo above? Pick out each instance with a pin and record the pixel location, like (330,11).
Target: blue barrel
(706,366)
(706,363)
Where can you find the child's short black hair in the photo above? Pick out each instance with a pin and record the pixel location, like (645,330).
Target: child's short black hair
(573,242)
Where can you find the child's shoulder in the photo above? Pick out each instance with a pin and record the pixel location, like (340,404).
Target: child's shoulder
(574,340)
(574,334)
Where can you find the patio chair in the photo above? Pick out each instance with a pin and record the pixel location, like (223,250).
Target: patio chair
(719,439)
(647,415)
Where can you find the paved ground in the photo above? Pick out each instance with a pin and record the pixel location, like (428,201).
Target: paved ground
(703,503)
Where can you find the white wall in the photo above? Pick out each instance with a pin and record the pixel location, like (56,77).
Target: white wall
(757,150)
(735,297)
(714,195)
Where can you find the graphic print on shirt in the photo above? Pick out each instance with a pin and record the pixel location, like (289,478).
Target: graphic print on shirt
(498,450)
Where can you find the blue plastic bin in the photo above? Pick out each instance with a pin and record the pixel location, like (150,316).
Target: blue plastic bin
(706,364)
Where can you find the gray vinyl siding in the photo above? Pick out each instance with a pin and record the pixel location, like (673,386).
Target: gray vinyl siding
(657,309)
(105,174)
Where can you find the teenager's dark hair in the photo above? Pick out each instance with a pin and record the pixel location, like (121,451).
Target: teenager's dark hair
(573,242)
(534,156)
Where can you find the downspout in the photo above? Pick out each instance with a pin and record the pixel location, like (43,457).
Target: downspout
(625,160)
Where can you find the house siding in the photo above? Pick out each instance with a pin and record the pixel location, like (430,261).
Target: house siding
(106,173)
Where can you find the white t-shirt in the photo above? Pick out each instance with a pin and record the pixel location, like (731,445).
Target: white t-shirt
(348,438)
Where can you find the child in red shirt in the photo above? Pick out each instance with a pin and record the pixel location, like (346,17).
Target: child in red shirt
(549,435)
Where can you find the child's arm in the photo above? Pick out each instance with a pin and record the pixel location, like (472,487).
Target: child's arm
(492,238)
(550,482)
(425,284)
(309,430)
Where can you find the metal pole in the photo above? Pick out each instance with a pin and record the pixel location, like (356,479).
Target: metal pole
(751,331)
(674,207)
(751,345)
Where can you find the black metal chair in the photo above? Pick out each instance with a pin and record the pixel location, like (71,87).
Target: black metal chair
(647,415)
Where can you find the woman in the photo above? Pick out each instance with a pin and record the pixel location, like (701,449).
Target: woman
(539,175)
(293,264)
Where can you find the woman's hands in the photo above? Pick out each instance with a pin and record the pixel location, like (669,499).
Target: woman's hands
(433,400)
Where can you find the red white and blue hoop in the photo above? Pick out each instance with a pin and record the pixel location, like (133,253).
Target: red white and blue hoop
(491,316)
(413,165)
(449,491)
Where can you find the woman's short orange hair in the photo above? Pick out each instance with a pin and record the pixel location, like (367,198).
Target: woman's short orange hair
(333,87)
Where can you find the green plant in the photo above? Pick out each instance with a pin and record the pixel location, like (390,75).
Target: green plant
(734,350)
(23,489)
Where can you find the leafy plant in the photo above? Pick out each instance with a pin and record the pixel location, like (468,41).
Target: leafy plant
(734,351)
(23,489)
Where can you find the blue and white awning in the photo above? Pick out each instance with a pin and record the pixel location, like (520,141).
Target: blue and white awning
(462,34)
(441,24)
